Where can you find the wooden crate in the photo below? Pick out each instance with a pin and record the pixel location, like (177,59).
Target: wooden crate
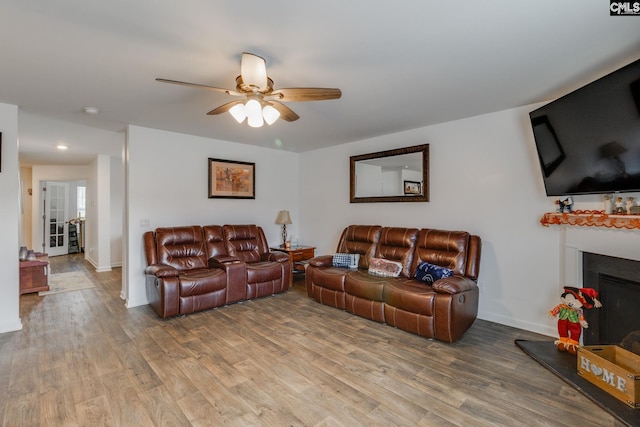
(613,369)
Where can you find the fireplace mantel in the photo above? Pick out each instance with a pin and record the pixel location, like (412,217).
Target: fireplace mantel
(595,232)
(587,218)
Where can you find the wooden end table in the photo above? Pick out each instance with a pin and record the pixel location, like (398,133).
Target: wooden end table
(297,256)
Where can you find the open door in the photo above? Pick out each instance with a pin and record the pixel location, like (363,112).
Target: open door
(55,203)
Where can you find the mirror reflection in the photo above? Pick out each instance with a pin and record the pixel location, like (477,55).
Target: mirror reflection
(386,176)
(398,175)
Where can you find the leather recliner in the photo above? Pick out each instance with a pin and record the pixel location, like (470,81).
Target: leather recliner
(443,310)
(191,268)
(267,272)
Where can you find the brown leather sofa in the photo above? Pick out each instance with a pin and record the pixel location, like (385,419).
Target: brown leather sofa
(196,268)
(443,310)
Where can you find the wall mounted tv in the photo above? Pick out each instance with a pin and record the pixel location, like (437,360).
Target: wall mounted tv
(588,141)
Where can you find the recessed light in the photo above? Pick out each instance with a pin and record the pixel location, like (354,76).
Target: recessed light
(91,110)
(61,147)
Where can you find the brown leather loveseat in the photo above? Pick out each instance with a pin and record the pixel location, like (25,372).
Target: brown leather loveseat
(194,268)
(443,309)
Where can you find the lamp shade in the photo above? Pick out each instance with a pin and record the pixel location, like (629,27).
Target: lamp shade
(253,109)
(237,111)
(283,218)
(270,114)
(253,70)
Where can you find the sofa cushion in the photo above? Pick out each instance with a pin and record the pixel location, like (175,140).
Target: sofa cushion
(429,273)
(345,260)
(327,277)
(360,239)
(182,248)
(199,282)
(244,242)
(360,284)
(397,244)
(260,272)
(384,267)
(410,295)
(202,289)
(214,240)
(444,248)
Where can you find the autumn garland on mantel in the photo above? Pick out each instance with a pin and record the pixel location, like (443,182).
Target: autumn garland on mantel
(591,219)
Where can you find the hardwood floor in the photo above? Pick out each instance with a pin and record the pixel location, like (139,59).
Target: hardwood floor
(83,359)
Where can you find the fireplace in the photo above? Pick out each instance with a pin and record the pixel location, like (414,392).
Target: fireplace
(617,281)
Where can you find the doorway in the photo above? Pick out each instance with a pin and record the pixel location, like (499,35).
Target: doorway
(60,201)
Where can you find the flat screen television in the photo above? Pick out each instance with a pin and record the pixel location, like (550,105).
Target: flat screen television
(588,141)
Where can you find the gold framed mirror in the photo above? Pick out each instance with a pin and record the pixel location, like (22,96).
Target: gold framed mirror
(399,175)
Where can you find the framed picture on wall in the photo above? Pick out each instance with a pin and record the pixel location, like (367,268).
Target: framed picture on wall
(412,187)
(229,179)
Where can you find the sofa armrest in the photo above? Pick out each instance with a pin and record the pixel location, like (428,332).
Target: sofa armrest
(453,285)
(221,261)
(161,270)
(163,294)
(322,261)
(276,256)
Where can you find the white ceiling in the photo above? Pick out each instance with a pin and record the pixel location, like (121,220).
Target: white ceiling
(400,65)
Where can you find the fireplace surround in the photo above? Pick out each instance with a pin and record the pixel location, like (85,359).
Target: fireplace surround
(617,281)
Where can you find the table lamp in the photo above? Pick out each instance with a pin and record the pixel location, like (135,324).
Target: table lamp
(283,219)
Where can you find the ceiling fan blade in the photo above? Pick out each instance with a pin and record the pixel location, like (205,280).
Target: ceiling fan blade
(253,69)
(196,85)
(286,113)
(301,94)
(223,108)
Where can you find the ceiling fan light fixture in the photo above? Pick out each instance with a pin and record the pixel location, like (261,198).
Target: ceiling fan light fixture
(270,114)
(255,90)
(238,112)
(253,109)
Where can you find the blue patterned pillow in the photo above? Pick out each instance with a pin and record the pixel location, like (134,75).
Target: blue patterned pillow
(346,260)
(429,273)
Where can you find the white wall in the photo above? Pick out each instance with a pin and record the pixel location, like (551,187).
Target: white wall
(484,178)
(26,200)
(117,206)
(98,224)
(10,214)
(167,185)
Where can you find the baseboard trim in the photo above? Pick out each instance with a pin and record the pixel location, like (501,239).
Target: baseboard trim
(131,303)
(11,326)
(96,267)
(548,330)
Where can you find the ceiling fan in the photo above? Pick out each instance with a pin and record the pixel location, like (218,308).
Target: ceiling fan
(259,102)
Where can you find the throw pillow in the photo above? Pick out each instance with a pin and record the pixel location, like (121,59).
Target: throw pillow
(384,267)
(346,260)
(429,273)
